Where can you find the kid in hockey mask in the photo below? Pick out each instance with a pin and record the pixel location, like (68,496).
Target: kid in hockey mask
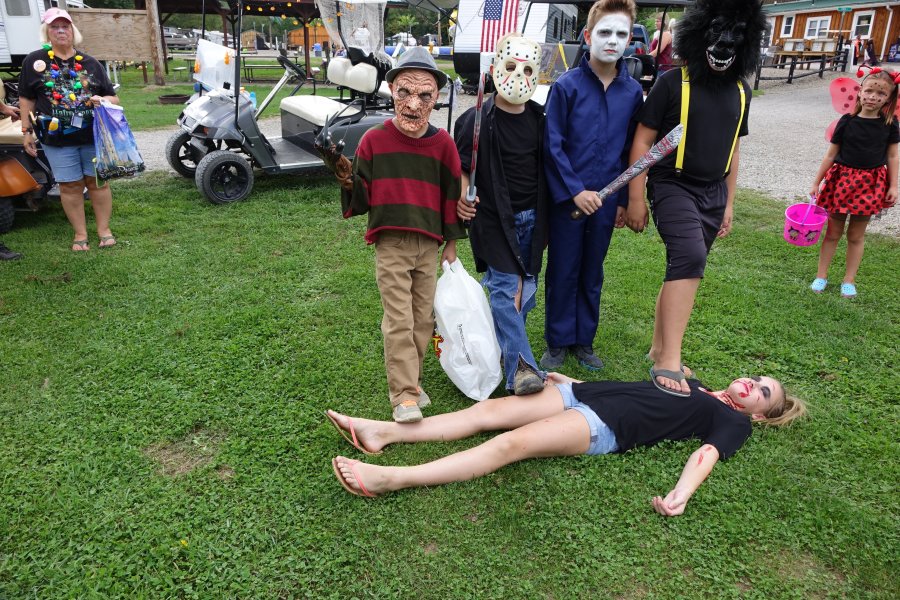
(515,69)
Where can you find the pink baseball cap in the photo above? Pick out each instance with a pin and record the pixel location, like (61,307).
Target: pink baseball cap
(55,13)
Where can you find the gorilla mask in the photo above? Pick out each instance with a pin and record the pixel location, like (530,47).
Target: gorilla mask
(719,40)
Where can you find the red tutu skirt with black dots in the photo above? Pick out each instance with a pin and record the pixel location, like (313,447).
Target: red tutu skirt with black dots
(850,191)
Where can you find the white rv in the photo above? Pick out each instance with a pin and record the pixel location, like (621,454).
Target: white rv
(19,24)
(539,21)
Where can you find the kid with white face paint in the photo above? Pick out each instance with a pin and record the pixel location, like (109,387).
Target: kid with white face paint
(609,38)
(588,135)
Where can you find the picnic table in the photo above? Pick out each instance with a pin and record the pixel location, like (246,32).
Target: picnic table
(251,71)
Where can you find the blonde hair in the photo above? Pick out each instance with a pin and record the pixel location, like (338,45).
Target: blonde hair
(788,410)
(887,111)
(45,34)
(608,7)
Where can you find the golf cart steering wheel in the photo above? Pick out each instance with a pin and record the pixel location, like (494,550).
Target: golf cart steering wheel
(294,68)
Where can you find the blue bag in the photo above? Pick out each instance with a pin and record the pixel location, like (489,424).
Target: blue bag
(114,145)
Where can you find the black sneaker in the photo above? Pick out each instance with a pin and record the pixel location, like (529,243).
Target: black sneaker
(587,358)
(7,254)
(553,359)
(527,380)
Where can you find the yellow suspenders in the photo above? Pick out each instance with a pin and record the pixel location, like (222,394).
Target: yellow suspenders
(685,104)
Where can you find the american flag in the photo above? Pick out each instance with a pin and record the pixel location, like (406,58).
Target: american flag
(500,17)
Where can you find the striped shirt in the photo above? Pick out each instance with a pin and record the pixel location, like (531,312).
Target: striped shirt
(406,184)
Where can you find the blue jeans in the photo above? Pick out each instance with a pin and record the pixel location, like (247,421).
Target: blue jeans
(71,163)
(509,322)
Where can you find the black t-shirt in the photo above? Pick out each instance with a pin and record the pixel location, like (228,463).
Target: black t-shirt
(72,82)
(516,133)
(712,119)
(863,141)
(641,415)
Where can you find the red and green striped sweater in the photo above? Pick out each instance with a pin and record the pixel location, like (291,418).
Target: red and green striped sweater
(406,184)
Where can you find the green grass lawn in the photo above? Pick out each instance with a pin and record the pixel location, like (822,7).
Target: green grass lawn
(162,430)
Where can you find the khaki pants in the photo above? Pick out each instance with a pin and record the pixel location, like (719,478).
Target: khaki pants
(406,272)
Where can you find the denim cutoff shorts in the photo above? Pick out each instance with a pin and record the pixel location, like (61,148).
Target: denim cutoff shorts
(603,440)
(71,163)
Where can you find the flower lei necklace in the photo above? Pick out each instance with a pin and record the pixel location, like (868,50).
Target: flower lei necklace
(66,87)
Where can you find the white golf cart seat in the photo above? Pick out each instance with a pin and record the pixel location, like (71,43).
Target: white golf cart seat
(316,109)
(361,77)
(11,133)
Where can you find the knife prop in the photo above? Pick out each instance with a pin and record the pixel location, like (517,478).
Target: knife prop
(659,151)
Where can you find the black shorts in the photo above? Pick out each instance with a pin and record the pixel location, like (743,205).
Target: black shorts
(688,216)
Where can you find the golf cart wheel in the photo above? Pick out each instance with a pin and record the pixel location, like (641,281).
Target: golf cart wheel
(180,155)
(7,214)
(224,177)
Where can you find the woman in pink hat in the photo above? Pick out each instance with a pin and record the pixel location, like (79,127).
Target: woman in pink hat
(60,86)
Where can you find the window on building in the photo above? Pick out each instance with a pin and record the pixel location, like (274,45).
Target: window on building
(862,24)
(817,27)
(18,8)
(555,28)
(787,26)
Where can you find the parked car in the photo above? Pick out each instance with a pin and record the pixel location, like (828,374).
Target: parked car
(640,41)
(178,41)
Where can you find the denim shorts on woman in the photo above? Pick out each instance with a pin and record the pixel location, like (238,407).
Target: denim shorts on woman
(71,163)
(603,440)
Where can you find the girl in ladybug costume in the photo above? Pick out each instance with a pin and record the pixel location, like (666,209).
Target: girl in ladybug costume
(858,176)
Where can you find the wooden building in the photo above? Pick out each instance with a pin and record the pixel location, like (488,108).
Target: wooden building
(799,23)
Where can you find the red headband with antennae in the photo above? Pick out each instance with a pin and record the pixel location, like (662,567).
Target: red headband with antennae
(895,77)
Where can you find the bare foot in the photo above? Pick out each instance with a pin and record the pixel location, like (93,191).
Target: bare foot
(80,246)
(368,433)
(107,241)
(360,478)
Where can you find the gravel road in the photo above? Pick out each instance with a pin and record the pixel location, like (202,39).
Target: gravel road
(779,157)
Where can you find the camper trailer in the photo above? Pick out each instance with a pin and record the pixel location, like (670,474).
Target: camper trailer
(473,48)
(19,24)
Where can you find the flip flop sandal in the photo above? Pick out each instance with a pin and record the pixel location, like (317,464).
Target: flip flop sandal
(674,375)
(688,372)
(107,238)
(351,439)
(83,244)
(362,491)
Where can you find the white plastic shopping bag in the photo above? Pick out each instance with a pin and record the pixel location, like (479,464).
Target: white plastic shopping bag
(467,345)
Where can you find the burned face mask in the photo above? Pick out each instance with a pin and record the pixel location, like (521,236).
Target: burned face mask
(415,92)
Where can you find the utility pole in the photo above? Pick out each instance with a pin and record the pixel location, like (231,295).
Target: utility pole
(156,43)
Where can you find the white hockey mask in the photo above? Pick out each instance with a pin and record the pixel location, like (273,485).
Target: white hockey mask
(516,64)
(609,37)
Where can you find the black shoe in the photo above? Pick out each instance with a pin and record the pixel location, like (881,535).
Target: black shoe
(527,380)
(587,358)
(553,359)
(7,254)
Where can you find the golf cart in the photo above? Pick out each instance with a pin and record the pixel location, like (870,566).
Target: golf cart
(26,182)
(220,143)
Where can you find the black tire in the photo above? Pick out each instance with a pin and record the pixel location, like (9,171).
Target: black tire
(7,214)
(180,155)
(224,177)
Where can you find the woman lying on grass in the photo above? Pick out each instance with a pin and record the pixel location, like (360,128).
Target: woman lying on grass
(608,416)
